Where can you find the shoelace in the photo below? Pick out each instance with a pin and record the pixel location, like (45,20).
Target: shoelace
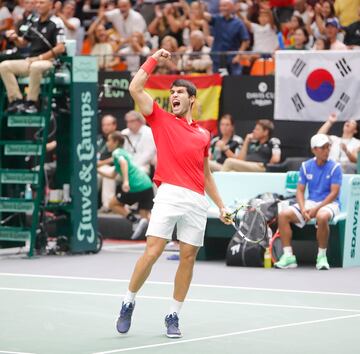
(126,311)
(173,320)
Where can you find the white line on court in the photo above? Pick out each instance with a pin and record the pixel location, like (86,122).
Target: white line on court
(7,352)
(263,329)
(171,283)
(66,292)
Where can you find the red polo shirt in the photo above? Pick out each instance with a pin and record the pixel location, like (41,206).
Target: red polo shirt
(181,149)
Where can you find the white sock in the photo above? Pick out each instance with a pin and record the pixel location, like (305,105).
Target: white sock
(175,306)
(129,297)
(288,251)
(322,252)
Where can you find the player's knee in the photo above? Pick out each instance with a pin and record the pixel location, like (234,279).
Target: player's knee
(188,257)
(322,218)
(152,254)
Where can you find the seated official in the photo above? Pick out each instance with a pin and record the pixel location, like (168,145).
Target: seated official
(224,145)
(258,150)
(323,177)
(46,38)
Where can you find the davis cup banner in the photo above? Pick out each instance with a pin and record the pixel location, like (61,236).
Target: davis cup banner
(310,85)
(206,107)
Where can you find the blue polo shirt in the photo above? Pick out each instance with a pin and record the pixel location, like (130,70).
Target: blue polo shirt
(228,33)
(320,178)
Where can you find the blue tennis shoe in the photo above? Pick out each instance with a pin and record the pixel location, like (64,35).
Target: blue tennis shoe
(124,321)
(172,325)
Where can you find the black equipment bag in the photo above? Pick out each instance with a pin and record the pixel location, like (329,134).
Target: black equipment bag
(242,253)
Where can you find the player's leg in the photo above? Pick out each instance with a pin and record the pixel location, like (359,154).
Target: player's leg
(287,217)
(324,215)
(162,223)
(181,287)
(153,250)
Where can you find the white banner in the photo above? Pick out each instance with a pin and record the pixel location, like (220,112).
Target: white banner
(310,85)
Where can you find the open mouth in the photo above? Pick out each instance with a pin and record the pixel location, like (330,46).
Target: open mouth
(176,104)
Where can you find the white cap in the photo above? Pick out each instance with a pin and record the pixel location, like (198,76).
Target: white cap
(319,140)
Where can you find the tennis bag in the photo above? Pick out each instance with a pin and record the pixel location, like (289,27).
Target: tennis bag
(242,253)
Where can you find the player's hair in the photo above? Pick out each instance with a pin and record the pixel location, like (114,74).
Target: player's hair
(266,124)
(117,137)
(190,87)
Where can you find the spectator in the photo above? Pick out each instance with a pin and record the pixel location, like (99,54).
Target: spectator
(317,22)
(168,21)
(107,186)
(230,34)
(140,141)
(343,147)
(22,10)
(101,46)
(321,44)
(347,11)
(225,145)
(196,58)
(39,61)
(23,18)
(135,51)
(323,178)
(282,10)
(6,20)
(66,13)
(125,20)
(265,37)
(301,9)
(332,30)
(295,23)
(258,150)
(167,67)
(197,21)
(301,39)
(136,184)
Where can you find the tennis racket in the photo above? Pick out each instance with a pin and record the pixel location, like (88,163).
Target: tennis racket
(249,222)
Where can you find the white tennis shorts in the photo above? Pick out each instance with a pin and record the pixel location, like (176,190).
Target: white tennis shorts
(174,205)
(332,208)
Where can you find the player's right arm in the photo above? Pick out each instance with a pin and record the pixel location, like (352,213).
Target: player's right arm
(137,85)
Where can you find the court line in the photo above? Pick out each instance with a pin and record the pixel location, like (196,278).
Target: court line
(263,329)
(171,283)
(67,292)
(6,352)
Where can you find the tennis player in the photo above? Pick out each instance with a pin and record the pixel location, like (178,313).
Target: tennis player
(182,175)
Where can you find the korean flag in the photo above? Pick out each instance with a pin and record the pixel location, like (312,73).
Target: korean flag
(310,85)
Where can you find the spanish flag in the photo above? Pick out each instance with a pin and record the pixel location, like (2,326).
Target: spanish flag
(206,107)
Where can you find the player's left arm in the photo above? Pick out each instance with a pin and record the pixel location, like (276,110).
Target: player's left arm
(212,192)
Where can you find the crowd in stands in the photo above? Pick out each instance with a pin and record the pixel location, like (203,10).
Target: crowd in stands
(199,33)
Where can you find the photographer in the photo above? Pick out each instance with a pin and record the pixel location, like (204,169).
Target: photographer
(46,37)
